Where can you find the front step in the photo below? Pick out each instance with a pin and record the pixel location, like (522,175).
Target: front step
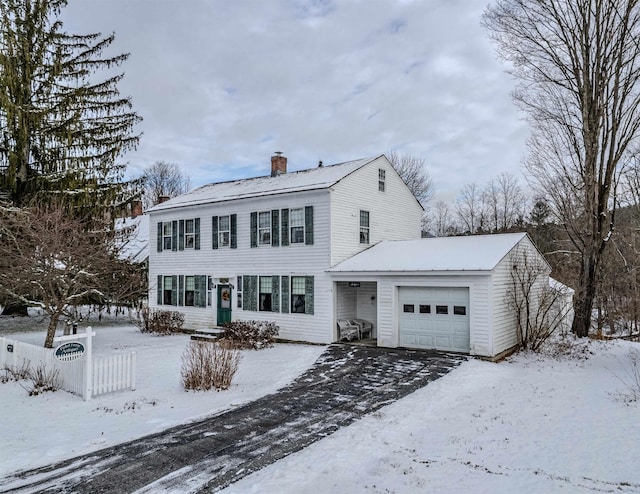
(208,334)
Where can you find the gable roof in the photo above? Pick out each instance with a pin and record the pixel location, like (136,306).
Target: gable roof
(297,181)
(469,253)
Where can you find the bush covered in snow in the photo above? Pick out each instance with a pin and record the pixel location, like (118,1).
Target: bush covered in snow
(250,334)
(207,365)
(161,322)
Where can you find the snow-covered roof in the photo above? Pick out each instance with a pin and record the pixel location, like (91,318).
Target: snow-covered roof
(560,287)
(136,246)
(470,253)
(297,181)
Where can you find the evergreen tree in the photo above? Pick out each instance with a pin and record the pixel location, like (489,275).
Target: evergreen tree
(63,128)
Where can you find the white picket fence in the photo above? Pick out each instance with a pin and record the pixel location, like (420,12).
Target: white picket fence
(110,373)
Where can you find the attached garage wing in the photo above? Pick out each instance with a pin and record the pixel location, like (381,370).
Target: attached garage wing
(434,318)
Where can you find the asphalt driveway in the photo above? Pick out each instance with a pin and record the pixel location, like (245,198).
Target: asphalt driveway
(345,383)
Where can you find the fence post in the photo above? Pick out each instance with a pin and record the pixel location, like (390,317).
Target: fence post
(133,371)
(88,369)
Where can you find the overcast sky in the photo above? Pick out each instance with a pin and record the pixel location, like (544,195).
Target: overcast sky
(222,85)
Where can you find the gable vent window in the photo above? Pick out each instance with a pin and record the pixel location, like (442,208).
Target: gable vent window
(381,179)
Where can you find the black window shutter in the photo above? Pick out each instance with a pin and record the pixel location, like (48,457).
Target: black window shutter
(181,235)
(284,305)
(234,231)
(284,232)
(253,291)
(275,294)
(174,235)
(200,295)
(174,290)
(214,232)
(275,227)
(160,287)
(181,290)
(254,229)
(196,231)
(159,244)
(308,295)
(308,225)
(246,288)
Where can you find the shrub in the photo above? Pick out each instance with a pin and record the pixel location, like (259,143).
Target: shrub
(16,373)
(162,322)
(207,365)
(250,334)
(44,380)
(631,378)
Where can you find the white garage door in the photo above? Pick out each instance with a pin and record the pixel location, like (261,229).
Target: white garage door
(434,318)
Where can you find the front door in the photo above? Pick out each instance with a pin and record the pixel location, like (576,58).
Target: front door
(224,304)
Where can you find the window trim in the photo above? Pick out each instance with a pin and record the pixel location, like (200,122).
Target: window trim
(264,214)
(300,225)
(267,294)
(222,231)
(167,236)
(365,229)
(294,307)
(190,237)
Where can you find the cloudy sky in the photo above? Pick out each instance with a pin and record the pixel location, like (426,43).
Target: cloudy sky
(222,85)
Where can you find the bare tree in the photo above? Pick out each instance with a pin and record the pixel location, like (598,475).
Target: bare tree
(539,309)
(505,202)
(413,171)
(578,63)
(163,179)
(52,261)
(442,220)
(470,208)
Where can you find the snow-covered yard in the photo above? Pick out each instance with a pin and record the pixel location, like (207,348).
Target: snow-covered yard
(39,430)
(534,423)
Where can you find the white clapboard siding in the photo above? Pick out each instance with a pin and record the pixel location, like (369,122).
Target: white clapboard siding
(393,214)
(116,372)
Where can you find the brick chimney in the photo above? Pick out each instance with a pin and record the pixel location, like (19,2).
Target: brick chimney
(278,164)
(136,208)
(162,199)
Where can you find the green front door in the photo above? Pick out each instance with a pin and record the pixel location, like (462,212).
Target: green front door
(224,304)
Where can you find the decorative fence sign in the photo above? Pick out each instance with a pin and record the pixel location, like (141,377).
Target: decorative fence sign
(69,351)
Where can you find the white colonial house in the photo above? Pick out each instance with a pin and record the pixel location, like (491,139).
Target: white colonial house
(308,249)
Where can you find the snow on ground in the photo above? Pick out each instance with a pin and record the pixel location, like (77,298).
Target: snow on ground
(531,424)
(39,430)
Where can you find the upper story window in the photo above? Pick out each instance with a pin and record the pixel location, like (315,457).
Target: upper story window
(381,179)
(224,231)
(364,227)
(296,223)
(264,228)
(189,234)
(166,235)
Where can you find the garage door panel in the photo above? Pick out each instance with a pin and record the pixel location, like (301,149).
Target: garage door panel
(441,331)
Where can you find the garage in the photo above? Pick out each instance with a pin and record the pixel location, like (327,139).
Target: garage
(434,318)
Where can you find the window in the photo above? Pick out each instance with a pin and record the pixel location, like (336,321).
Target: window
(364,227)
(264,228)
(239,292)
(265,294)
(442,309)
(298,292)
(166,235)
(459,310)
(381,179)
(408,308)
(224,231)
(189,290)
(167,290)
(425,309)
(296,224)
(189,234)
(209,291)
